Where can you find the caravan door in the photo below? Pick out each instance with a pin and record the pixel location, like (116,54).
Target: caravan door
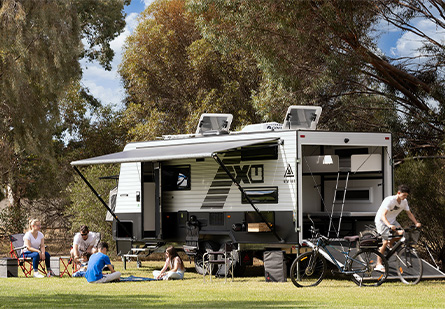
(151,211)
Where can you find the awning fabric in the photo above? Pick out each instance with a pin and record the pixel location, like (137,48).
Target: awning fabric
(170,152)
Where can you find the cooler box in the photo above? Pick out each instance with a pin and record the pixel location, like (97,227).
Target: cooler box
(8,268)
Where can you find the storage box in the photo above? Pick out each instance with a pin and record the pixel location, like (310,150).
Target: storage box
(275,269)
(55,265)
(257,227)
(8,268)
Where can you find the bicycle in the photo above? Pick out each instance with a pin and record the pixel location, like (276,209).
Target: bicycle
(404,256)
(309,268)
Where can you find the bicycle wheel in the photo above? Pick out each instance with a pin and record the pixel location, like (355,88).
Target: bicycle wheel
(362,267)
(409,265)
(308,269)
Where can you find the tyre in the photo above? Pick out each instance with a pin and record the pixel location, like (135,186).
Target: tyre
(198,257)
(308,269)
(362,268)
(409,265)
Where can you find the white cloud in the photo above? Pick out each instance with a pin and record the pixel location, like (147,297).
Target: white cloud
(106,85)
(409,43)
(147,2)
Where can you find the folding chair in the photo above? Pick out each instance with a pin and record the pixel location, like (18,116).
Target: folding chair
(17,244)
(224,257)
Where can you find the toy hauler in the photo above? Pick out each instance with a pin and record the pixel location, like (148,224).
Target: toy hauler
(252,188)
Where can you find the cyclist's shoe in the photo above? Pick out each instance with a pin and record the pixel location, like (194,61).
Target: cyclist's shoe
(380,268)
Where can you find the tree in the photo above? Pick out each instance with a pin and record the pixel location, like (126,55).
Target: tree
(40,49)
(427,200)
(325,52)
(85,207)
(172,75)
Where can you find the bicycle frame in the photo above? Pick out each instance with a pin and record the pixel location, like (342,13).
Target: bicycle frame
(393,250)
(321,244)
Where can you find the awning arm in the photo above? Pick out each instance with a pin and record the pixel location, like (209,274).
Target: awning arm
(101,200)
(219,161)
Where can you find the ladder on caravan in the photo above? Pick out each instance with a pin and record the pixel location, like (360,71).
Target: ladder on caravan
(331,224)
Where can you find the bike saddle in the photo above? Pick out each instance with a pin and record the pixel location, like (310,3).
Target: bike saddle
(352,238)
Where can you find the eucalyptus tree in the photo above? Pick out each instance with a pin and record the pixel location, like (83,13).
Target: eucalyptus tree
(326,52)
(41,44)
(172,75)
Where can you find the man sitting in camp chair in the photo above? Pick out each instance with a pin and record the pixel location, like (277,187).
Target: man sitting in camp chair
(85,241)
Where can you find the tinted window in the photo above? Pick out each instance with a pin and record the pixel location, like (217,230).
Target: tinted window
(261,195)
(176,178)
(259,152)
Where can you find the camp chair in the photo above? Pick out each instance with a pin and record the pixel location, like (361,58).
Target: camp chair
(223,257)
(17,244)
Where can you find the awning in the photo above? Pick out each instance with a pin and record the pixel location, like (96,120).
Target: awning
(170,152)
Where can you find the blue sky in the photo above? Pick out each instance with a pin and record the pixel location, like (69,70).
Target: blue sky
(107,87)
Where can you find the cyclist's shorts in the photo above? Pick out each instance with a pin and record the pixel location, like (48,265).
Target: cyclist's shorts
(384,230)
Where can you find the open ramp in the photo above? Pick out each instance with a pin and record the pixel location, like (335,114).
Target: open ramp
(335,248)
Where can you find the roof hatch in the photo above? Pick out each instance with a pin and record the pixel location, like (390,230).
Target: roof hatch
(302,117)
(214,123)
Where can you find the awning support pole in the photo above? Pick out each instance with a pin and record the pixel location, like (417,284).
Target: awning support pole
(101,200)
(219,161)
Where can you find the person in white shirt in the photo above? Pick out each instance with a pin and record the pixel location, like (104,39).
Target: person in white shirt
(83,242)
(172,262)
(35,248)
(386,219)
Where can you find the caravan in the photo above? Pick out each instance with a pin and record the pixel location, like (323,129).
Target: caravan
(252,188)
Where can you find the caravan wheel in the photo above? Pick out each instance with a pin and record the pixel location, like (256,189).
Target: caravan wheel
(203,246)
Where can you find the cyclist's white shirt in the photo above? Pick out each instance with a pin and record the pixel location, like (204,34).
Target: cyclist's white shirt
(394,208)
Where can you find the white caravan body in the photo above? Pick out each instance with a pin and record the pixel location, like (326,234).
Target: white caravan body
(287,171)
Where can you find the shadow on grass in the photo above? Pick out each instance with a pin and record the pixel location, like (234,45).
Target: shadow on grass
(72,300)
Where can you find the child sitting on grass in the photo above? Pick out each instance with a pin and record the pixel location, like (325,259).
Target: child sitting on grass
(83,265)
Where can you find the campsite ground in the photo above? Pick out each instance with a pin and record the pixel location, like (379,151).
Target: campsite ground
(251,291)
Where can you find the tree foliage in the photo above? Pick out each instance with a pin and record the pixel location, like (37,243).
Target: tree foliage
(325,52)
(427,199)
(40,48)
(85,207)
(172,75)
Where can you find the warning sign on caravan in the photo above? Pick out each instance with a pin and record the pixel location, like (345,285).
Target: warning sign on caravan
(289,176)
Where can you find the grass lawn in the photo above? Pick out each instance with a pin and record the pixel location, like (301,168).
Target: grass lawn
(192,292)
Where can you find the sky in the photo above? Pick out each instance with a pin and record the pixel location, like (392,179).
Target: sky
(107,86)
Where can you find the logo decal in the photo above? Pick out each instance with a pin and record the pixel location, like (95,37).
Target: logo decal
(289,172)
(221,184)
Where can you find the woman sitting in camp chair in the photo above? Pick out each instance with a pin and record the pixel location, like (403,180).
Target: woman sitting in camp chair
(35,248)
(174,262)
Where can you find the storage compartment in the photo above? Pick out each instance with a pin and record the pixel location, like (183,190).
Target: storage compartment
(321,164)
(8,268)
(258,227)
(366,163)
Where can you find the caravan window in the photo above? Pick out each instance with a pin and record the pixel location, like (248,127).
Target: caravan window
(261,195)
(176,177)
(354,194)
(259,152)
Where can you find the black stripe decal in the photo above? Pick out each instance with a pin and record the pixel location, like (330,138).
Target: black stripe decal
(221,184)
(219,191)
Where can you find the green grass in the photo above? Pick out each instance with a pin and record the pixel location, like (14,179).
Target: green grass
(192,292)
